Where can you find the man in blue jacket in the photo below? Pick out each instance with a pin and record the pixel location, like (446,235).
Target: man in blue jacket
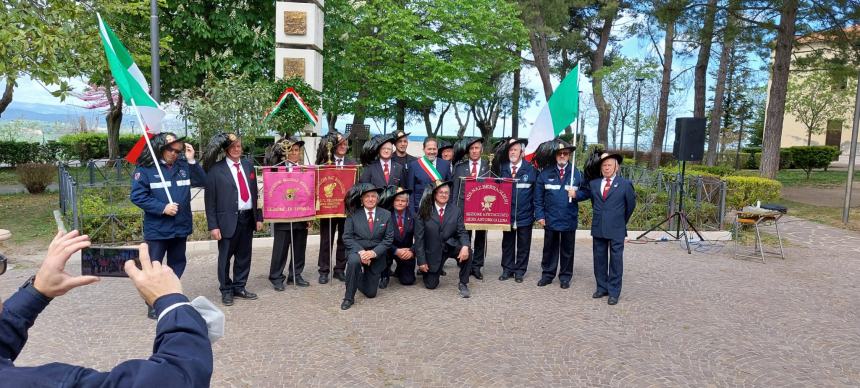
(182,352)
(613,200)
(557,210)
(516,244)
(166,223)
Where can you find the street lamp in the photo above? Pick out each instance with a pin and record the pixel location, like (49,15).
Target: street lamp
(638,106)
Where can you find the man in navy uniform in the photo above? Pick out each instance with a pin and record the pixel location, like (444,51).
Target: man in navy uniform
(368,236)
(331,226)
(613,200)
(516,244)
(232,215)
(166,223)
(426,172)
(401,251)
(557,210)
(401,144)
(472,167)
(182,352)
(384,171)
(440,235)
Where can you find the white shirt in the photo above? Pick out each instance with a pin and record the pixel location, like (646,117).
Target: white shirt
(382,164)
(437,209)
(518,165)
(367,213)
(477,168)
(243,205)
(603,183)
(338,161)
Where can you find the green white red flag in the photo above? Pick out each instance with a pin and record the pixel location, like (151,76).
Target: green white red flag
(561,109)
(290,93)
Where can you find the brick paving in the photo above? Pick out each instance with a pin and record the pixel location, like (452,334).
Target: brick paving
(683,320)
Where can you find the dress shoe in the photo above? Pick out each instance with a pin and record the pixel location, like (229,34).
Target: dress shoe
(505,276)
(565,285)
(443,273)
(278,286)
(599,294)
(518,278)
(245,294)
(544,282)
(301,282)
(346,304)
(339,276)
(383,282)
(227,299)
(612,301)
(150,312)
(476,272)
(464,290)
(323,278)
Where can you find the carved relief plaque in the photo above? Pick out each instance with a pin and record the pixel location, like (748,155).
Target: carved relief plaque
(295,23)
(294,67)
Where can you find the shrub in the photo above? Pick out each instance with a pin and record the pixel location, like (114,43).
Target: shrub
(652,206)
(36,176)
(785,159)
(88,145)
(746,190)
(713,170)
(808,158)
(644,157)
(14,153)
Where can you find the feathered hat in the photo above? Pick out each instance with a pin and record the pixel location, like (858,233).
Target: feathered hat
(215,151)
(427,199)
(370,150)
(500,152)
(277,152)
(159,142)
(461,149)
(352,200)
(545,154)
(443,145)
(591,169)
(389,193)
(325,153)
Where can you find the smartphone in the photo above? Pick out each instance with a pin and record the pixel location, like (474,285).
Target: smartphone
(107,261)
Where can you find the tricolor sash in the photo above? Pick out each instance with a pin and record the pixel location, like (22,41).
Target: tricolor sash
(429,168)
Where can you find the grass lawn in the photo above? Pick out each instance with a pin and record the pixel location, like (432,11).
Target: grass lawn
(8,176)
(29,217)
(816,178)
(825,215)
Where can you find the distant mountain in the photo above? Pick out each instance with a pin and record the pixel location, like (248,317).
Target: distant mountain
(71,115)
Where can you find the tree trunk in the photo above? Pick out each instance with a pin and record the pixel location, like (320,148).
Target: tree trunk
(462,126)
(623,120)
(597,80)
(331,119)
(360,108)
(772,136)
(7,94)
(719,92)
(113,118)
(541,56)
(400,114)
(701,73)
(515,104)
(665,88)
(428,126)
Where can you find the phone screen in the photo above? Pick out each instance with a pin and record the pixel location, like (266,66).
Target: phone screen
(107,261)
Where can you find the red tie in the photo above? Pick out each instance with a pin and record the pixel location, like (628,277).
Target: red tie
(385,171)
(400,223)
(513,171)
(474,169)
(243,186)
(441,214)
(370,220)
(606,188)
(561,174)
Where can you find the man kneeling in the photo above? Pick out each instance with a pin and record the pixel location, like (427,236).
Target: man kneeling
(367,234)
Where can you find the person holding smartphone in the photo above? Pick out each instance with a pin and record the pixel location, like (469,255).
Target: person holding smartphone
(167,220)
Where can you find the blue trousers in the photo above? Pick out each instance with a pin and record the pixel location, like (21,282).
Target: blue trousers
(175,250)
(608,265)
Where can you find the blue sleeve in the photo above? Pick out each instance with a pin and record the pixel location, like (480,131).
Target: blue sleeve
(539,189)
(584,188)
(181,356)
(141,194)
(409,178)
(19,314)
(198,176)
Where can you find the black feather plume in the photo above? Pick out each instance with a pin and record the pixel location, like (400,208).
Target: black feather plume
(591,168)
(214,151)
(545,154)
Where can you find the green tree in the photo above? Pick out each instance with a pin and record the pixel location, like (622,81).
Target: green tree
(815,98)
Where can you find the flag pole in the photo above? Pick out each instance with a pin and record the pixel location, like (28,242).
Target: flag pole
(155,159)
(573,155)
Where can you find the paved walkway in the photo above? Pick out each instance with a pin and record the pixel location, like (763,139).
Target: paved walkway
(684,320)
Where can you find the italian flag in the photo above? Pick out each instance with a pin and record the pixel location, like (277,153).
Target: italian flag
(290,93)
(561,109)
(133,87)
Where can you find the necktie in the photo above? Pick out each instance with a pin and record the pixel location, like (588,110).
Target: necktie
(385,171)
(370,220)
(474,169)
(400,223)
(513,171)
(441,214)
(339,162)
(561,174)
(243,186)
(606,188)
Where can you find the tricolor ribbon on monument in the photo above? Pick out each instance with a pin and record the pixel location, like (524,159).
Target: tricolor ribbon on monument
(290,93)
(135,93)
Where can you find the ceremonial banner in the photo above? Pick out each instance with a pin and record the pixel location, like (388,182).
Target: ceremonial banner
(487,203)
(288,196)
(332,185)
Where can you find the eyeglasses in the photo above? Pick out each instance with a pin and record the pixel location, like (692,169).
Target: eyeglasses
(564,153)
(175,151)
(3,261)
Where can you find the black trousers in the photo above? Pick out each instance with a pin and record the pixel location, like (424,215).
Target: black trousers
(558,254)
(328,227)
(608,265)
(404,270)
(238,248)
(431,279)
(175,250)
(479,242)
(515,259)
(284,239)
(362,277)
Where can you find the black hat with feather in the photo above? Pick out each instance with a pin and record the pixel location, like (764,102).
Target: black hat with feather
(546,151)
(591,168)
(352,200)
(277,152)
(500,152)
(159,142)
(370,150)
(328,146)
(461,149)
(215,151)
(425,208)
(386,199)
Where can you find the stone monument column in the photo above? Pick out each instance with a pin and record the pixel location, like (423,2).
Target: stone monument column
(298,46)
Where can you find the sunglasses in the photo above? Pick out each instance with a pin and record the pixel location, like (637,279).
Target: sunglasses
(564,153)
(176,151)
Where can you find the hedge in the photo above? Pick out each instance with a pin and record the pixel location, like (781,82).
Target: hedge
(746,190)
(809,158)
(88,145)
(14,153)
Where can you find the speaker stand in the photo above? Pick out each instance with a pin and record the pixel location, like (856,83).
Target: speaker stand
(682,223)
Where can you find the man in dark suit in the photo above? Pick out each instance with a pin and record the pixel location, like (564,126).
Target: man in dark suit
(330,226)
(516,244)
(401,143)
(232,216)
(613,199)
(440,235)
(289,234)
(368,235)
(384,171)
(401,251)
(472,167)
(426,171)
